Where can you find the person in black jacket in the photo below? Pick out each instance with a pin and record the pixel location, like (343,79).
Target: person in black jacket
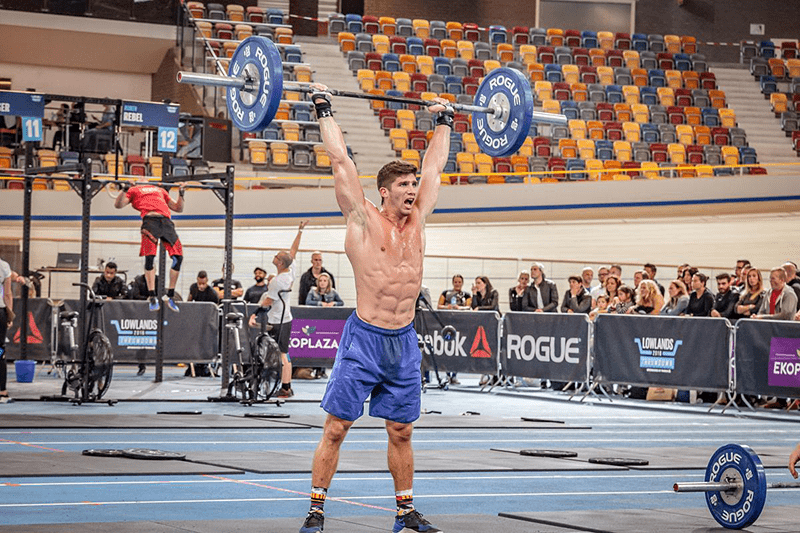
(701,302)
(542,295)
(726,298)
(309,278)
(109,284)
(577,299)
(517,293)
(484,296)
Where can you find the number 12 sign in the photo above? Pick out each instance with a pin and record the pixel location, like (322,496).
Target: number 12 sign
(167,139)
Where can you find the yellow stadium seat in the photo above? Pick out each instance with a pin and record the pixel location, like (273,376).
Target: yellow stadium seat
(730,155)
(258,153)
(778,103)
(422,28)
(577,129)
(380,43)
(402,81)
(631,58)
(705,171)
(551,106)
(568,148)
(490,65)
(410,156)
(366,79)
(605,40)
(406,119)
(449,48)
(536,72)
(425,65)
(631,131)
(302,73)
(526,149)
(605,75)
(571,73)
(527,54)
(641,113)
(466,50)
(622,151)
(674,79)
(279,155)
(727,117)
(631,94)
(650,170)
(291,131)
(586,149)
(544,91)
(593,168)
(505,52)
(666,96)
(399,139)
(483,163)
(685,134)
(673,43)
(465,162)
(677,153)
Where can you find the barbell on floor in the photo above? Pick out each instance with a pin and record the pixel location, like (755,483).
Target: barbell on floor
(502,112)
(735,486)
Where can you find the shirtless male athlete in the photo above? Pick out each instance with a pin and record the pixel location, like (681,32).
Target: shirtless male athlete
(154,204)
(378,354)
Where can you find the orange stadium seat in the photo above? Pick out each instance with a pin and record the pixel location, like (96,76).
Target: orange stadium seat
(388,25)
(235,12)
(455,30)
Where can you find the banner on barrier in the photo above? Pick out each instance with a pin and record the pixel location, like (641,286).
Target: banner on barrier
(316,333)
(474,348)
(132,329)
(768,357)
(677,352)
(546,345)
(39,330)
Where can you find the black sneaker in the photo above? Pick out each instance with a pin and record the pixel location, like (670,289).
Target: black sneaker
(314,522)
(412,521)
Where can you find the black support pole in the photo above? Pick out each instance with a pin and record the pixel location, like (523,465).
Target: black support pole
(26,251)
(86,215)
(162,268)
(228,262)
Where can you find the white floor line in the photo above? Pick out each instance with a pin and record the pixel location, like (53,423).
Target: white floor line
(351,498)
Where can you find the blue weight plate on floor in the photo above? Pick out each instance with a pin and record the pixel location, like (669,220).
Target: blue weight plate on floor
(740,508)
(258,58)
(502,135)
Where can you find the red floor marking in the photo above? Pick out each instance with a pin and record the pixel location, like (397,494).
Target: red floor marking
(342,500)
(31,445)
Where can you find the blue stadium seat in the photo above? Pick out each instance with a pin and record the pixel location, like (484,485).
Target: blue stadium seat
(498,34)
(415,46)
(453,85)
(710,117)
(766,49)
(682,62)
(604,149)
(639,42)
(391,62)
(589,39)
(354,24)
(441,66)
(614,94)
(648,95)
(657,78)
(768,85)
(649,133)
(570,109)
(552,73)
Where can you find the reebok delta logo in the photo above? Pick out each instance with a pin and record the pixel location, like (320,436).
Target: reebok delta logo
(479,349)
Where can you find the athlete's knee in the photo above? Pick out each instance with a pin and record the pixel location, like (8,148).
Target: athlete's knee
(176,262)
(398,432)
(149,262)
(336,429)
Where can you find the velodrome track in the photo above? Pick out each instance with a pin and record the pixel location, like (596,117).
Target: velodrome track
(253,474)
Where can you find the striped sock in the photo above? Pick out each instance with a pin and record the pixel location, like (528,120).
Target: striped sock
(405,501)
(318,495)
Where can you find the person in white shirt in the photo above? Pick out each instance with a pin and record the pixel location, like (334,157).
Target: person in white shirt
(279,314)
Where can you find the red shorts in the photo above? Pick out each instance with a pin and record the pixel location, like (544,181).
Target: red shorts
(155,228)
(149,247)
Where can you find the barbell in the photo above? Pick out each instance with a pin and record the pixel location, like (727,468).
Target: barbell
(502,112)
(735,486)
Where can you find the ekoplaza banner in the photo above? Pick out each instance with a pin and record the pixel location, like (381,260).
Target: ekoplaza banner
(768,357)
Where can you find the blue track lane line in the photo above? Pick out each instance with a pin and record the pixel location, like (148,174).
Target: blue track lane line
(440,211)
(74,500)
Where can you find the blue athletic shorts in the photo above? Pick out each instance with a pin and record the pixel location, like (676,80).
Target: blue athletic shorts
(382,364)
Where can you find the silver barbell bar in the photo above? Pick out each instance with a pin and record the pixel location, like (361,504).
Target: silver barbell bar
(708,486)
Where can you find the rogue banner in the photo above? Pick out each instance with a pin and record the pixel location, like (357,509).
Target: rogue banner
(546,345)
(676,352)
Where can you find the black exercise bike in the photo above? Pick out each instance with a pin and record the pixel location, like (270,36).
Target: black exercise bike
(259,379)
(88,371)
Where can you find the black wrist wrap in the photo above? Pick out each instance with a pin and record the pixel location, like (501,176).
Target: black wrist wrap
(322,104)
(445,118)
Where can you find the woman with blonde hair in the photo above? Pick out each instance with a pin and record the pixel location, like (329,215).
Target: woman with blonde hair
(648,299)
(323,295)
(678,299)
(753,293)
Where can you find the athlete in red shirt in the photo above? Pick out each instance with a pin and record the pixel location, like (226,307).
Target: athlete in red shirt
(154,203)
